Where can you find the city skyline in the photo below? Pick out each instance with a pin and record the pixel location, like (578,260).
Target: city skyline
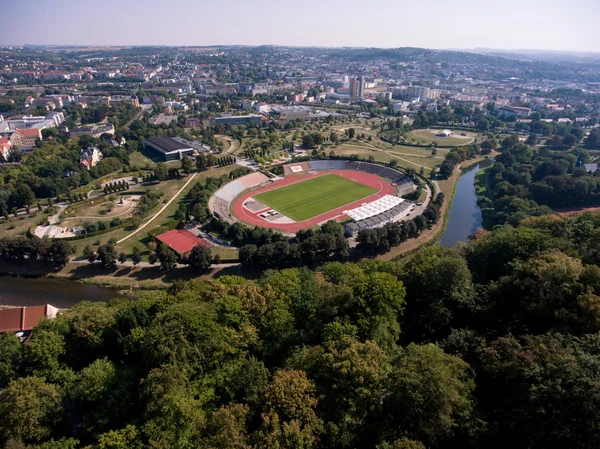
(458,25)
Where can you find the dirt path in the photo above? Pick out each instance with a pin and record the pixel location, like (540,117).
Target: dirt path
(160,211)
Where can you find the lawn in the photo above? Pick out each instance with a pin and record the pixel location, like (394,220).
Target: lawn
(314,197)
(428,136)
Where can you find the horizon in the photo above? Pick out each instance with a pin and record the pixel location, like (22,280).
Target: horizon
(461,25)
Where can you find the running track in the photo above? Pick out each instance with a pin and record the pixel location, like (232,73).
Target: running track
(368,179)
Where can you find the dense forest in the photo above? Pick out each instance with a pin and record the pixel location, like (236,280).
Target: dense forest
(492,344)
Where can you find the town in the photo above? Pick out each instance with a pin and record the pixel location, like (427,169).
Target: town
(268,246)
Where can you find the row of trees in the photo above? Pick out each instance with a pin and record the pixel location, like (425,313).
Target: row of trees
(116,187)
(52,252)
(309,248)
(381,240)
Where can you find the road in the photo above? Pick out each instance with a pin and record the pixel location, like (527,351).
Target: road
(149,265)
(160,211)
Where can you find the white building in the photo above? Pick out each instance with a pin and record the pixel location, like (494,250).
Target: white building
(90,157)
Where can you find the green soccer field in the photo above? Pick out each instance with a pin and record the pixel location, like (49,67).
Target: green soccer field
(314,197)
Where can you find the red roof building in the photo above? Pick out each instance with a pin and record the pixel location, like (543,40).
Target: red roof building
(181,241)
(21,320)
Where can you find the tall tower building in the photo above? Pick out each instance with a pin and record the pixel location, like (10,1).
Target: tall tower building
(356,87)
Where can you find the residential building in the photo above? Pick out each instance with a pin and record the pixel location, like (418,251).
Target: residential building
(356,87)
(193,122)
(237,119)
(5,147)
(514,110)
(90,157)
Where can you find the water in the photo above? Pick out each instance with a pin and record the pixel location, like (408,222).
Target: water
(18,291)
(465,214)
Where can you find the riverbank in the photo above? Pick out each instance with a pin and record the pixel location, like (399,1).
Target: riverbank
(430,236)
(484,197)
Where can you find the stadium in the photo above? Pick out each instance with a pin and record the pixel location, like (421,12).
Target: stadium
(362,195)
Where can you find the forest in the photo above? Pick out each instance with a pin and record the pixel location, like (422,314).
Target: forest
(491,344)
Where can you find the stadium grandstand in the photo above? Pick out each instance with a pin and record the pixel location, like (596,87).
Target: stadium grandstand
(387,209)
(220,202)
(404,184)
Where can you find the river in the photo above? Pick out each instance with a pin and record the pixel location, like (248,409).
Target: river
(18,291)
(465,214)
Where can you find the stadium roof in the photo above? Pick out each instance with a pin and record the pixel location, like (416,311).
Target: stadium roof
(376,207)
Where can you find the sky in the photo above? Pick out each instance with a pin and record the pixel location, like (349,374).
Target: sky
(440,24)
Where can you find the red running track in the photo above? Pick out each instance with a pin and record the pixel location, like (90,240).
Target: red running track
(373,181)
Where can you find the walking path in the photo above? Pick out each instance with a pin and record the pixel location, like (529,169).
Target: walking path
(160,211)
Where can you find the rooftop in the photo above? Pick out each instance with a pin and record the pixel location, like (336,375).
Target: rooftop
(166,144)
(181,241)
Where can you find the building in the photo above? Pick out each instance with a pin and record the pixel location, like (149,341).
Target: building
(90,157)
(514,111)
(93,130)
(181,241)
(356,87)
(22,320)
(193,122)
(167,149)
(5,147)
(25,138)
(52,120)
(262,107)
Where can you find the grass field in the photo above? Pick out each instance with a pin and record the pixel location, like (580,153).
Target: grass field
(314,197)
(427,137)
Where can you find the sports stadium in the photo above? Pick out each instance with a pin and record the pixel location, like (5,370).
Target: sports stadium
(362,195)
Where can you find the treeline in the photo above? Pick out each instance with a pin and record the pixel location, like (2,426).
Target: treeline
(309,248)
(487,346)
(225,161)
(116,187)
(52,252)
(527,183)
(381,240)
(457,155)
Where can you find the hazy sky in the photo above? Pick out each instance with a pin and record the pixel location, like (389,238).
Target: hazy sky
(506,24)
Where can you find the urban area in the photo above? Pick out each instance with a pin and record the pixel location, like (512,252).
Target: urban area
(287,247)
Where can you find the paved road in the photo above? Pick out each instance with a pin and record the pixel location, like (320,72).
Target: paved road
(149,265)
(160,211)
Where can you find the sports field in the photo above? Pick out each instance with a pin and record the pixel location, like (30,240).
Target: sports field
(314,197)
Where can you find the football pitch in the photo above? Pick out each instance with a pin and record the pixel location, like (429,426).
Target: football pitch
(314,197)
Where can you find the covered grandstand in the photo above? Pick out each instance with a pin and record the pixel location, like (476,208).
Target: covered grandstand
(391,215)
(404,184)
(221,200)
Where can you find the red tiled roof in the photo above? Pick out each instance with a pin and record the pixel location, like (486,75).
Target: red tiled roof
(29,132)
(24,318)
(181,241)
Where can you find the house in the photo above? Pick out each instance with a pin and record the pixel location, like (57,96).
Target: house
(25,138)
(22,320)
(262,107)
(5,147)
(90,157)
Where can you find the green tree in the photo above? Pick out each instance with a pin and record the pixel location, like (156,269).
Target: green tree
(11,358)
(200,258)
(107,256)
(187,164)
(161,171)
(29,410)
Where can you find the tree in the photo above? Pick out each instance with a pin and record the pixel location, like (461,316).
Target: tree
(308,142)
(122,258)
(29,410)
(351,133)
(11,358)
(161,171)
(187,164)
(200,258)
(168,258)
(25,195)
(107,256)
(430,394)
